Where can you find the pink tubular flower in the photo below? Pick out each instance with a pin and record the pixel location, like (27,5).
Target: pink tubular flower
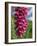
(21,22)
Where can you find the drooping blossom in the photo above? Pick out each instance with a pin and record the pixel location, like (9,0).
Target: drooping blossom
(21,21)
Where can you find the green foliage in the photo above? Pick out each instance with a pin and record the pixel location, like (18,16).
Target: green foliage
(13,31)
(28,33)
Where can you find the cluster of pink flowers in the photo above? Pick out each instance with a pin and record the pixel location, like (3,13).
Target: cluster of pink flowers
(21,21)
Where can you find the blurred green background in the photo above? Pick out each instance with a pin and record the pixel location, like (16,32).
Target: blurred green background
(26,35)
